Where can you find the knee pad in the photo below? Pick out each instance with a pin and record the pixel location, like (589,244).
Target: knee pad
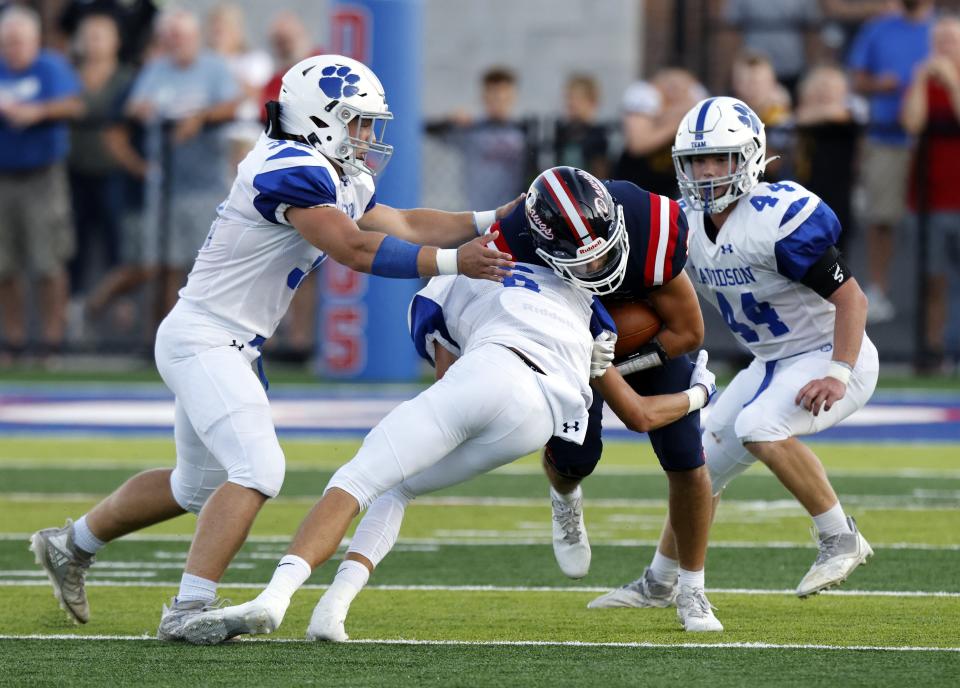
(726,456)
(247,447)
(192,493)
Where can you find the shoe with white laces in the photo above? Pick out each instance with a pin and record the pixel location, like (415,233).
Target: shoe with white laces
(327,621)
(570,544)
(218,625)
(66,566)
(695,611)
(174,617)
(837,557)
(643,592)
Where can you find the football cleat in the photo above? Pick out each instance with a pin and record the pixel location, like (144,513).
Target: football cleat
(643,592)
(66,567)
(218,625)
(174,617)
(837,557)
(695,611)
(327,620)
(570,545)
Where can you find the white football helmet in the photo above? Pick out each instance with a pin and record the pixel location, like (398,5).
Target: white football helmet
(325,99)
(718,126)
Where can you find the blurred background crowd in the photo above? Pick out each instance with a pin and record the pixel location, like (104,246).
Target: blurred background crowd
(122,121)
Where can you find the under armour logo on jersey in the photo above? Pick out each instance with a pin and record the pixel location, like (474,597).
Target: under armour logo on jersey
(238,346)
(726,248)
(575,426)
(338,82)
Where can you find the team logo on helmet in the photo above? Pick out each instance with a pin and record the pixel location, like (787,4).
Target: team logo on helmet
(601,206)
(535,220)
(338,82)
(747,116)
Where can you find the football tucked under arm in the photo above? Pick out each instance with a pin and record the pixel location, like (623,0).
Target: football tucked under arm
(636,348)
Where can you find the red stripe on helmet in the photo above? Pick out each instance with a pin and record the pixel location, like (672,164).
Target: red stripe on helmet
(576,205)
(563,213)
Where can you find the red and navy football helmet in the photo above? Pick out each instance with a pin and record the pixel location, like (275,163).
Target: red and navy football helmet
(578,229)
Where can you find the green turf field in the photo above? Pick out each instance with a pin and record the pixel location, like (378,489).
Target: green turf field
(471,596)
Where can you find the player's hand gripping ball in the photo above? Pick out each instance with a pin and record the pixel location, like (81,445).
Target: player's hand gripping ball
(637,323)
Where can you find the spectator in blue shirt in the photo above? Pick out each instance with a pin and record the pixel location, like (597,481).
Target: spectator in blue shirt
(39,91)
(882,59)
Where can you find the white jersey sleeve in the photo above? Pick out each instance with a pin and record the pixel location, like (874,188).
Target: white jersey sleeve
(752,271)
(253,260)
(533,311)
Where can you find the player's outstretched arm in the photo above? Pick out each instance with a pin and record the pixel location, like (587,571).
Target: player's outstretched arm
(430,226)
(677,305)
(334,233)
(643,414)
(848,330)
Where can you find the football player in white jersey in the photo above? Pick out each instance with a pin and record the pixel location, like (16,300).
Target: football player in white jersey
(523,375)
(303,193)
(764,254)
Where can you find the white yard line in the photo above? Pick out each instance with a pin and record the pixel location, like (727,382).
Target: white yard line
(100,580)
(898,502)
(493,541)
(532,643)
(26,463)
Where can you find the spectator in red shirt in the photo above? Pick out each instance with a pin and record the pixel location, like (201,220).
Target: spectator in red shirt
(931,107)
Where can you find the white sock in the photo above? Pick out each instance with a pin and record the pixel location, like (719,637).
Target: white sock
(568,498)
(196,588)
(692,579)
(84,538)
(290,574)
(349,581)
(664,569)
(832,522)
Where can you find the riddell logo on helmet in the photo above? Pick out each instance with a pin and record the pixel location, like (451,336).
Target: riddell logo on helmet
(596,243)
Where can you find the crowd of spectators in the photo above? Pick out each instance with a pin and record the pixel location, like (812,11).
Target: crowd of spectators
(861,104)
(860,98)
(117,143)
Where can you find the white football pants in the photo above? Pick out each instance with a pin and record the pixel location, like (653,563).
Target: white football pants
(486,411)
(759,405)
(222,428)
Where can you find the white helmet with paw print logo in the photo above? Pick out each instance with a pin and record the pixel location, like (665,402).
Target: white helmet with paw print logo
(326,99)
(720,126)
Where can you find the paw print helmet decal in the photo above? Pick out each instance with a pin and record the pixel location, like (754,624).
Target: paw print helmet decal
(338,106)
(720,126)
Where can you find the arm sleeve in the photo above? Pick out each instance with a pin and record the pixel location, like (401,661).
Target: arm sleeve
(306,186)
(828,273)
(808,229)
